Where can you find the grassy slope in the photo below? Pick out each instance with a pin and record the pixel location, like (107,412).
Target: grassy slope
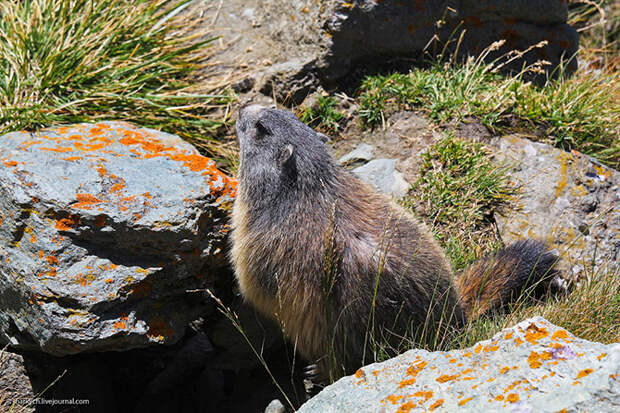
(85,61)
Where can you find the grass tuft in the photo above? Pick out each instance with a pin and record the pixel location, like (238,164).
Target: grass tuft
(579,112)
(68,61)
(459,190)
(323,115)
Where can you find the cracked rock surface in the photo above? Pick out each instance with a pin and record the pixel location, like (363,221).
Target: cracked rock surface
(534,366)
(103,229)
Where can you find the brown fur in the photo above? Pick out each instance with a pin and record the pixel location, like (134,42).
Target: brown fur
(311,255)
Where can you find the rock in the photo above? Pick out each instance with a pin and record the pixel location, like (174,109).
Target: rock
(290,47)
(531,367)
(363,152)
(14,384)
(567,198)
(275,406)
(382,174)
(103,229)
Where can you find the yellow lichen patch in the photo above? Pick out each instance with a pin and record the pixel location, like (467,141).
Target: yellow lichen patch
(435,405)
(512,398)
(504,370)
(563,175)
(499,397)
(359,373)
(508,335)
(478,348)
(491,348)
(583,373)
(601,356)
(518,341)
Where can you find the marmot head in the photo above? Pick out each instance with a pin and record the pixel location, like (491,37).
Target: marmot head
(280,155)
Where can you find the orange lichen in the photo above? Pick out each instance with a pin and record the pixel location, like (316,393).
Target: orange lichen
(412,371)
(464,401)
(359,373)
(491,348)
(560,334)
(85,201)
(9,163)
(65,224)
(512,398)
(508,335)
(394,399)
(406,407)
(518,341)
(535,359)
(436,404)
(601,356)
(52,260)
(535,333)
(426,394)
(446,377)
(119,325)
(499,397)
(478,348)
(117,187)
(61,149)
(583,373)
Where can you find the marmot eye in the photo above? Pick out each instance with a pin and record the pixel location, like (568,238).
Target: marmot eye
(261,129)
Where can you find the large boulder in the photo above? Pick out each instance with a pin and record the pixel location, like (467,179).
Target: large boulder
(104,231)
(285,48)
(534,366)
(568,199)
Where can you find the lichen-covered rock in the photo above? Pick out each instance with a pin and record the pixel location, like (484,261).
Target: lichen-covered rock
(15,387)
(531,367)
(568,199)
(287,47)
(103,228)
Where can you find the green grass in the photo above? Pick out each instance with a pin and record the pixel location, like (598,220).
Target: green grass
(323,115)
(67,61)
(459,190)
(579,112)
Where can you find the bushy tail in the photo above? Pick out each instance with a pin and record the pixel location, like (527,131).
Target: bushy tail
(522,269)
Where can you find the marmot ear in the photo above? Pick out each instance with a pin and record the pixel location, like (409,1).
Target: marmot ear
(285,155)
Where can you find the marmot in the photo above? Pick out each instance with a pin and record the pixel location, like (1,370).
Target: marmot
(340,265)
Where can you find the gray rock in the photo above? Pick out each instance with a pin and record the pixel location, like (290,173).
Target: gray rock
(275,406)
(382,174)
(363,152)
(567,198)
(103,230)
(14,384)
(531,367)
(290,47)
